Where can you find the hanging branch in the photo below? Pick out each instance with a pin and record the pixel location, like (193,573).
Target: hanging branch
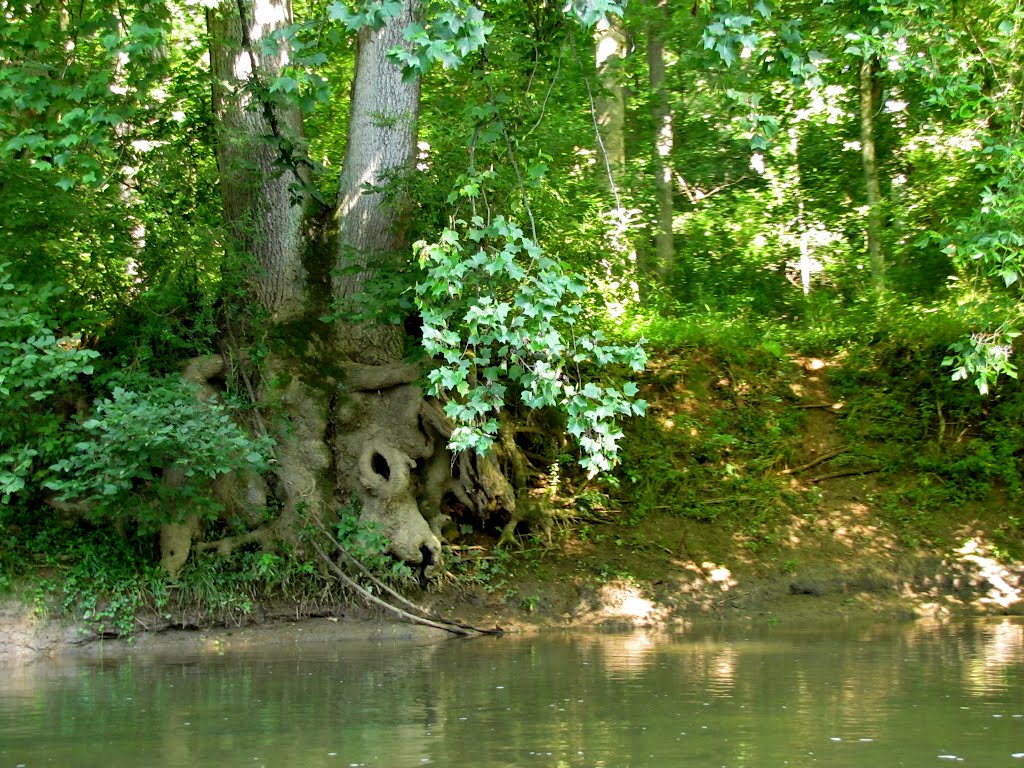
(547,94)
(515,163)
(597,131)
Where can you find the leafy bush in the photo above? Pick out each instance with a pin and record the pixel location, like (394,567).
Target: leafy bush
(498,311)
(37,363)
(159,444)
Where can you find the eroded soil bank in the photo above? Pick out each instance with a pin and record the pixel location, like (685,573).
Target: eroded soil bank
(854,574)
(754,495)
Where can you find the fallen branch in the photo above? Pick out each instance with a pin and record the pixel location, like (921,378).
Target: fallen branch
(723,500)
(814,462)
(428,618)
(832,407)
(372,598)
(843,473)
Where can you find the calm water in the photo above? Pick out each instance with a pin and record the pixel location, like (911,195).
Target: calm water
(904,695)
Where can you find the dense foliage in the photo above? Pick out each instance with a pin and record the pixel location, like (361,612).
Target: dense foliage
(836,177)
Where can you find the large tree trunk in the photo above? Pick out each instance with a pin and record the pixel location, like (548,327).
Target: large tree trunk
(260,180)
(869,99)
(379,439)
(372,208)
(352,428)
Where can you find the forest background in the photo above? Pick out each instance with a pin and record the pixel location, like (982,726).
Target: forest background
(386,279)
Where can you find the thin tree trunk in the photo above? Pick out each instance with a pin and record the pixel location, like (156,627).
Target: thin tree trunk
(869,98)
(610,104)
(260,184)
(664,243)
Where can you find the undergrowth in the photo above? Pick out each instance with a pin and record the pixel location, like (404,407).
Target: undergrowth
(721,426)
(111,580)
(721,421)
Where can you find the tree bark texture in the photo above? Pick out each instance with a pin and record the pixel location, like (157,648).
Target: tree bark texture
(352,428)
(869,103)
(262,206)
(661,113)
(373,207)
(610,104)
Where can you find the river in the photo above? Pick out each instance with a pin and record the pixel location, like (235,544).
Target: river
(740,696)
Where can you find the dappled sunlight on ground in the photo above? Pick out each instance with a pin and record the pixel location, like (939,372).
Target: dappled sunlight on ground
(622,601)
(974,576)
(1004,586)
(790,516)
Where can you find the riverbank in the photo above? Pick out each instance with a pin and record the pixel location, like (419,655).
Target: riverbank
(573,588)
(758,489)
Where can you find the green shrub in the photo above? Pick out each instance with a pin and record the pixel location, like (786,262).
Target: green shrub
(122,462)
(38,362)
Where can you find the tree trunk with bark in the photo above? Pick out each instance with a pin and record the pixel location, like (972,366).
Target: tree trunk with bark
(661,113)
(372,208)
(260,178)
(870,96)
(610,104)
(352,428)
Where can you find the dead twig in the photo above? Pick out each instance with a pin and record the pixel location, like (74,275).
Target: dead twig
(844,473)
(814,462)
(427,618)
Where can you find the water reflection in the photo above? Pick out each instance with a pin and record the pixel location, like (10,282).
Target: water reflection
(888,695)
(991,669)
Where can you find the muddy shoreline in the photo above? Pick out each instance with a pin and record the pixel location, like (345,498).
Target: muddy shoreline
(821,597)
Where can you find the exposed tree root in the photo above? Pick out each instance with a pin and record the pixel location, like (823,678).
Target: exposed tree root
(366,378)
(229,544)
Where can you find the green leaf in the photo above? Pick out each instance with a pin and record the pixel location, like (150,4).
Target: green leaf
(285,84)
(726,52)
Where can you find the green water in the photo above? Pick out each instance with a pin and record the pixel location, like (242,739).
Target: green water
(894,695)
